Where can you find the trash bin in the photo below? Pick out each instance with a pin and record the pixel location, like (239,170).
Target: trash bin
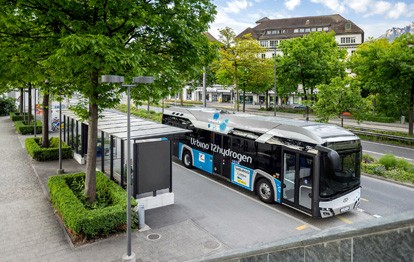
(402,120)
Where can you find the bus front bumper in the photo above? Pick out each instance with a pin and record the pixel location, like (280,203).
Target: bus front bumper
(341,204)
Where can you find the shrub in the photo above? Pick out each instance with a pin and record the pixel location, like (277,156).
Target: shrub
(367,158)
(375,169)
(24,129)
(82,220)
(33,147)
(7,105)
(16,116)
(389,161)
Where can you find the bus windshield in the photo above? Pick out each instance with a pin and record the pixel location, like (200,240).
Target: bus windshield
(343,179)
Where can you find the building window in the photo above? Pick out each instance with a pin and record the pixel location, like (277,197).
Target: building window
(320,29)
(347,40)
(296,30)
(313,29)
(264,43)
(348,26)
(307,30)
(274,43)
(326,29)
(263,56)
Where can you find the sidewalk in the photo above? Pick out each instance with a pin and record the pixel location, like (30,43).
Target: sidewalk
(30,230)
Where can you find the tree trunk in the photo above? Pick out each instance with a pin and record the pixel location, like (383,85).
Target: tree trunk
(267,100)
(21,109)
(45,122)
(148,106)
(90,179)
(244,100)
(411,109)
(29,104)
(237,91)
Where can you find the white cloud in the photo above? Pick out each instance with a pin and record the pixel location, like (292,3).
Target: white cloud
(223,20)
(334,5)
(291,4)
(359,6)
(379,8)
(398,10)
(236,5)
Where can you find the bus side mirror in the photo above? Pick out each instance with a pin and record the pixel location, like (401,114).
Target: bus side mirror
(334,159)
(310,195)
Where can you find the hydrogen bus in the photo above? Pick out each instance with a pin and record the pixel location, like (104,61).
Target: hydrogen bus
(312,167)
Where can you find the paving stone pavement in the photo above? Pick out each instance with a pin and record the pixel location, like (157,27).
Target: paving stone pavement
(30,231)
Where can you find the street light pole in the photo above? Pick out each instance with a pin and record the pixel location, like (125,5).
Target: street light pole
(35,109)
(204,87)
(60,170)
(129,256)
(275,95)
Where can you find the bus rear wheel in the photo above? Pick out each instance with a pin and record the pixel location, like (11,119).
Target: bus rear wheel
(187,159)
(265,191)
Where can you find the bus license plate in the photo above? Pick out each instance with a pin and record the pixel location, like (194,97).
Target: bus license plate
(344,209)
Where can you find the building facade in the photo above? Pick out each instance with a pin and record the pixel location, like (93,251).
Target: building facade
(270,32)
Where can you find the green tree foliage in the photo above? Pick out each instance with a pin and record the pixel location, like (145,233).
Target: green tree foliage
(387,71)
(238,59)
(310,60)
(112,37)
(339,96)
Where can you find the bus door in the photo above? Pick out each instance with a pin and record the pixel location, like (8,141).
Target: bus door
(221,164)
(297,180)
(217,156)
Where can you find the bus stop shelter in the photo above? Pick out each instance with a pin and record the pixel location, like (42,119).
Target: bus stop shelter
(151,144)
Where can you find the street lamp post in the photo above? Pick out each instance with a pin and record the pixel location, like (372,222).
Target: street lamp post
(60,170)
(275,95)
(129,256)
(35,109)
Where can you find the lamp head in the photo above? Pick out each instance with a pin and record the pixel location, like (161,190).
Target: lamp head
(143,80)
(112,79)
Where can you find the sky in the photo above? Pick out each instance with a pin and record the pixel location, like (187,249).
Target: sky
(372,16)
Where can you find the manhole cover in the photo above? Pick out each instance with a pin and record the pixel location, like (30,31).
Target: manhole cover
(210,244)
(154,236)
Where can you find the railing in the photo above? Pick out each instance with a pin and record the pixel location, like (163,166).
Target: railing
(409,140)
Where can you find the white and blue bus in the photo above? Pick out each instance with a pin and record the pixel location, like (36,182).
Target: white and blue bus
(309,166)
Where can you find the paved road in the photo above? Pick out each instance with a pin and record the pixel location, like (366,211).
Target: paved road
(377,150)
(382,198)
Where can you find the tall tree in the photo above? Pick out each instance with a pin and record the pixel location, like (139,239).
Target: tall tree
(113,37)
(310,60)
(339,96)
(237,56)
(387,69)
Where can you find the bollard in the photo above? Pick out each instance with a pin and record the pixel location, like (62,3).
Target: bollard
(141,216)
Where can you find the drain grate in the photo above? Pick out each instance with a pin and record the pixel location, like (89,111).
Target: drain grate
(153,236)
(210,244)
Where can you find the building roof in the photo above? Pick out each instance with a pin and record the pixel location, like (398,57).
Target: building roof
(334,22)
(210,37)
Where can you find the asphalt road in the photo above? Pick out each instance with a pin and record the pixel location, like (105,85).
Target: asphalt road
(238,219)
(377,150)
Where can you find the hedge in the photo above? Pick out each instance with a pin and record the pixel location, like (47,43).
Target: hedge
(24,129)
(16,116)
(33,147)
(84,222)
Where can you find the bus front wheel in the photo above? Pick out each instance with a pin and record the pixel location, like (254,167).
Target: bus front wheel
(265,191)
(187,159)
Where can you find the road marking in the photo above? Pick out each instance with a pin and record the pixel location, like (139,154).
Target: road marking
(377,216)
(302,227)
(344,220)
(381,154)
(252,199)
(363,199)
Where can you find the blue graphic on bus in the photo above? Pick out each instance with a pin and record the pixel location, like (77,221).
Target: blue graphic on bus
(216,116)
(278,190)
(241,175)
(203,161)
